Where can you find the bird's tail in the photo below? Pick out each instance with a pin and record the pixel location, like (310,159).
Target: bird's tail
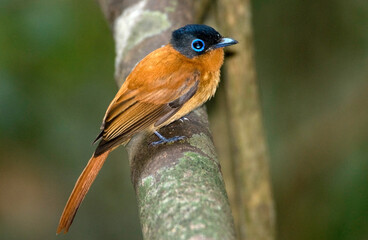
(80,190)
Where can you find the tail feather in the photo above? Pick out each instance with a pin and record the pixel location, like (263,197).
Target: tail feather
(80,190)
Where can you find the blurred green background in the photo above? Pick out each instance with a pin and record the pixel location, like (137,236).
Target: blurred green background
(56,80)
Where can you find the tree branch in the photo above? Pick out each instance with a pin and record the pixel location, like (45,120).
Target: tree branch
(179,187)
(253,198)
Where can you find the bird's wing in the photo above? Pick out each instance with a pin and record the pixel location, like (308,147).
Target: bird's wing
(142,103)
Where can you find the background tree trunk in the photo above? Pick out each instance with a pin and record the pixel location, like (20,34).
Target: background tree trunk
(252,196)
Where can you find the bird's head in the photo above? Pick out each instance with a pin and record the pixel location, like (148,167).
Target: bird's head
(195,39)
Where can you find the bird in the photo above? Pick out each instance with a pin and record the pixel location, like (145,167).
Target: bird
(163,87)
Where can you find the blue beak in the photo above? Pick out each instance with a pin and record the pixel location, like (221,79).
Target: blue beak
(224,43)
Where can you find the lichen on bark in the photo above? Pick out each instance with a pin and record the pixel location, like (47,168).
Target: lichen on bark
(185,200)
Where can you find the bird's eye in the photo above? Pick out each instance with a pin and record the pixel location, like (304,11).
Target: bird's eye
(197,45)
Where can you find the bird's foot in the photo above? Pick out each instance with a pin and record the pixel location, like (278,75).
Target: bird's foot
(182,119)
(166,140)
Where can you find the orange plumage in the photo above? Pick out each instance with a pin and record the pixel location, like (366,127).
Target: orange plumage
(165,86)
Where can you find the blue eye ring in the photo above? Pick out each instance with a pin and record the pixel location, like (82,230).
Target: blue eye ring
(198,45)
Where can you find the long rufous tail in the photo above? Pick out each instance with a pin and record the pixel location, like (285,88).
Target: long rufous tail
(80,190)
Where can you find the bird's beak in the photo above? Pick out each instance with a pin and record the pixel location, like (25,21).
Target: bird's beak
(224,43)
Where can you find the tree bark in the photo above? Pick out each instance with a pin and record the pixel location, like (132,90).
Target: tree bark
(252,199)
(179,186)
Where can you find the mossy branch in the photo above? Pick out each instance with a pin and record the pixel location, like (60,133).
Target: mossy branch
(179,186)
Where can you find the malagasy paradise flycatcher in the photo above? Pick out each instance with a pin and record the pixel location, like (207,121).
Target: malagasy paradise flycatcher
(164,86)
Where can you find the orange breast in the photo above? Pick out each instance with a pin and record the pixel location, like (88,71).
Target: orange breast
(209,66)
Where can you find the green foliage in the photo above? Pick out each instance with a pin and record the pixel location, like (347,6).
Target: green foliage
(312,68)
(56,80)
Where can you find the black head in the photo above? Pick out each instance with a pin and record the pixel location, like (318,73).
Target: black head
(195,39)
